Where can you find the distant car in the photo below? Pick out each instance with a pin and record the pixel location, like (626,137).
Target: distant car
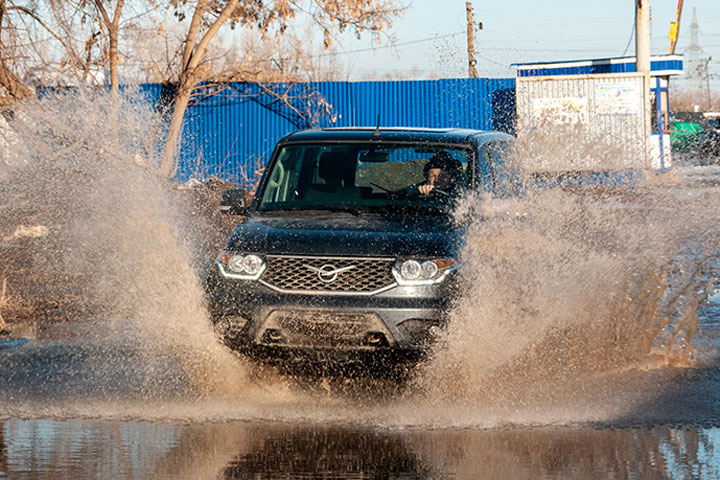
(696,133)
(340,254)
(709,140)
(686,128)
(713,119)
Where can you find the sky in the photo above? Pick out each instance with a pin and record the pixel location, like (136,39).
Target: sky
(430,40)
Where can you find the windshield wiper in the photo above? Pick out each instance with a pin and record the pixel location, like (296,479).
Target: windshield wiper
(339,208)
(317,208)
(411,208)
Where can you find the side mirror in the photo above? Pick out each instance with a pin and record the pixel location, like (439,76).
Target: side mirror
(233,202)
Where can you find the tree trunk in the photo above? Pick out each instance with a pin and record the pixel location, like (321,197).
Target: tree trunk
(169,160)
(113,28)
(16,89)
(193,54)
(114,75)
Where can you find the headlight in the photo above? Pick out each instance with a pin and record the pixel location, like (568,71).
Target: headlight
(410,270)
(235,264)
(238,265)
(253,264)
(423,271)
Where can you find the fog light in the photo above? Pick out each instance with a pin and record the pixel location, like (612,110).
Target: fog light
(273,335)
(230,325)
(376,339)
(424,332)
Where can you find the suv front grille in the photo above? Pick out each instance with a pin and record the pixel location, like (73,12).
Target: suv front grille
(358,276)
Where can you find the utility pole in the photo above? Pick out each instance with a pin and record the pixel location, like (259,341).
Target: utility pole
(707,80)
(675,27)
(642,60)
(472,71)
(642,35)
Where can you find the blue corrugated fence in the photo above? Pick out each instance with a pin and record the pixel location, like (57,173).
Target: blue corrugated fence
(230,132)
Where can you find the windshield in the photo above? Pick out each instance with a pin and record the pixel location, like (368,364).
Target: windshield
(366,177)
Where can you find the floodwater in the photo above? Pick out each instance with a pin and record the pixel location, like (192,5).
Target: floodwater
(585,344)
(73,410)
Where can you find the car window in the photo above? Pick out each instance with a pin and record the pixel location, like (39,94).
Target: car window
(362,175)
(506,178)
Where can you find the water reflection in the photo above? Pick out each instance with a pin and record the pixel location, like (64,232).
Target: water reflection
(334,453)
(101,449)
(3,453)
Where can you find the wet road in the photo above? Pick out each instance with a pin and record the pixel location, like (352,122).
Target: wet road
(238,450)
(120,404)
(70,409)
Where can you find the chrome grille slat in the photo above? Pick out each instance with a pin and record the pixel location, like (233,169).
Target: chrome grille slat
(292,274)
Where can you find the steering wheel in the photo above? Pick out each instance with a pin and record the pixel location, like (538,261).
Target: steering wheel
(440,192)
(380,187)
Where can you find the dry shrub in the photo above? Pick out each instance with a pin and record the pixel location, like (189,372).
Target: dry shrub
(14,309)
(8,303)
(685,100)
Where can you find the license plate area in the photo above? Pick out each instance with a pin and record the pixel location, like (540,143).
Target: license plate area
(324,328)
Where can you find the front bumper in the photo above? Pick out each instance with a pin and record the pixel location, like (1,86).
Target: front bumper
(256,320)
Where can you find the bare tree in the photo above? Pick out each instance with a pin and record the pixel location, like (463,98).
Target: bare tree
(154,49)
(293,57)
(88,33)
(15,88)
(30,34)
(10,82)
(112,25)
(208,17)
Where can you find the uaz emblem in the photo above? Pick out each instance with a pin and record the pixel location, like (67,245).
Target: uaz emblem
(328,273)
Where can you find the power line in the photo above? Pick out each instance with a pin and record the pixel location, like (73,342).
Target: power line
(493,61)
(632,34)
(372,49)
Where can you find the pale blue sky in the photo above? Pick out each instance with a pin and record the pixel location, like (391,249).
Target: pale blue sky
(518,31)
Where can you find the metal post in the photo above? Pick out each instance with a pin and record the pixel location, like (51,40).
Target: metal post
(659,120)
(707,80)
(675,27)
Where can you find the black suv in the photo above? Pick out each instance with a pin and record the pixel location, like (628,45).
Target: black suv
(350,246)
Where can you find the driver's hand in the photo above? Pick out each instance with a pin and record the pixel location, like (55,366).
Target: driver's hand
(425,189)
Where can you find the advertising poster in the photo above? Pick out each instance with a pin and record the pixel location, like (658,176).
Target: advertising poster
(618,98)
(561,111)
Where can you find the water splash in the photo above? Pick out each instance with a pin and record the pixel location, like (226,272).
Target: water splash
(564,285)
(565,290)
(83,165)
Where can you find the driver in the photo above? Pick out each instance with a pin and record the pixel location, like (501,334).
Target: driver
(442,172)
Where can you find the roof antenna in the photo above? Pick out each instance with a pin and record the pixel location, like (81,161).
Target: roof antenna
(376,133)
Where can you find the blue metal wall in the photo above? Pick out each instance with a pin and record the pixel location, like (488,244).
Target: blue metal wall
(668,63)
(231,133)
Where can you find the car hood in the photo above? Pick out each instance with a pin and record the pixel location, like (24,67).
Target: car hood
(347,235)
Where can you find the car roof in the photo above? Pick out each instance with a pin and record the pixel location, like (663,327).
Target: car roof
(395,134)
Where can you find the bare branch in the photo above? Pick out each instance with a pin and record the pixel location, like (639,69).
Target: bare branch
(103,13)
(40,22)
